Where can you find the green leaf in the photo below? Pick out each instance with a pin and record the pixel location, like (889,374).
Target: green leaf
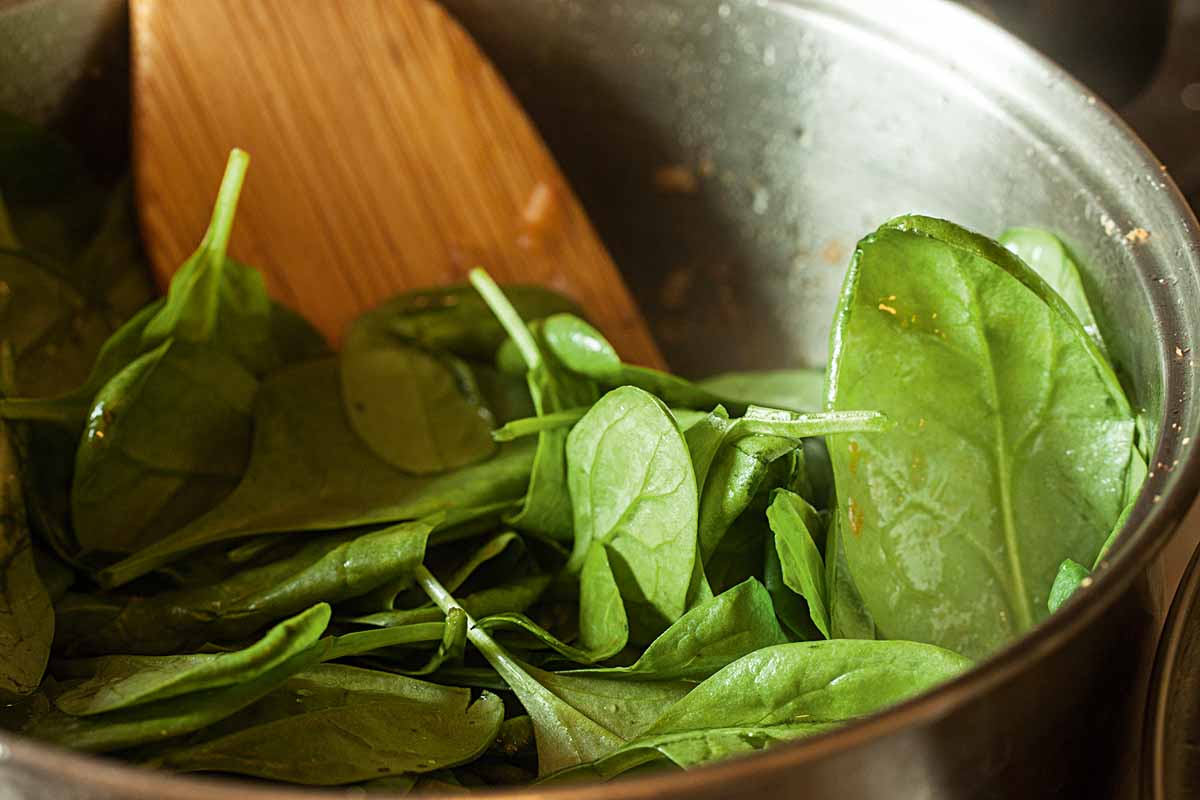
(848,614)
(213,300)
(791,520)
(329,568)
(738,472)
(115,682)
(575,719)
(458,320)
(335,725)
(164,719)
(634,492)
(309,471)
(515,596)
(1070,576)
(1023,398)
(705,639)
(813,686)
(54,332)
(603,619)
(26,615)
(585,351)
(417,409)
(167,439)
(70,408)
(1046,255)
(792,389)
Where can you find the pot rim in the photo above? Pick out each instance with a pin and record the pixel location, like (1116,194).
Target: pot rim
(1164,501)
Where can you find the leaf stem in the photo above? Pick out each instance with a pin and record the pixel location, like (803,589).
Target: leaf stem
(216,239)
(509,319)
(529,426)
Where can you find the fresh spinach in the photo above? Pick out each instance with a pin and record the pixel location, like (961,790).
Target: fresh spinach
(335,725)
(1000,383)
(309,471)
(792,520)
(115,682)
(140,475)
(26,615)
(634,494)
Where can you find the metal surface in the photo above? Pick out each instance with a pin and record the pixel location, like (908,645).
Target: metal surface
(1171,764)
(805,124)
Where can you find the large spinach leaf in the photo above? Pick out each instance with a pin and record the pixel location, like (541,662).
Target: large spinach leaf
(991,376)
(309,471)
(813,686)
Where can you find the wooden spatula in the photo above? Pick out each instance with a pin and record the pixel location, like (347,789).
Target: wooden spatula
(387,154)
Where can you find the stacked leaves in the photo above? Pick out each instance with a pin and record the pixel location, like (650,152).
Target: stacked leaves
(475,548)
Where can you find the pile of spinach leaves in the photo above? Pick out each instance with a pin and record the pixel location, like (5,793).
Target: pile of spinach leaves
(475,548)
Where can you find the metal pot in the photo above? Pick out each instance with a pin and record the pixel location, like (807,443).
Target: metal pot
(805,124)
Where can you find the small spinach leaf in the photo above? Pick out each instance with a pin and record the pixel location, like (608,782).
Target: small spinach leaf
(791,520)
(167,439)
(115,682)
(417,409)
(634,492)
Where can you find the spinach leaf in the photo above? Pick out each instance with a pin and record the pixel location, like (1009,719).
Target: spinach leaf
(1070,576)
(848,614)
(330,568)
(112,271)
(54,332)
(70,408)
(575,719)
(458,320)
(515,596)
(309,471)
(813,686)
(791,520)
(334,725)
(417,409)
(115,682)
(167,439)
(164,719)
(547,506)
(792,389)
(213,300)
(603,618)
(26,615)
(1023,397)
(634,493)
(1046,255)
(585,351)
(737,473)
(705,639)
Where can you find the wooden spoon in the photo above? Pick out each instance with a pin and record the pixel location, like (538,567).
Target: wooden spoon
(388,154)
